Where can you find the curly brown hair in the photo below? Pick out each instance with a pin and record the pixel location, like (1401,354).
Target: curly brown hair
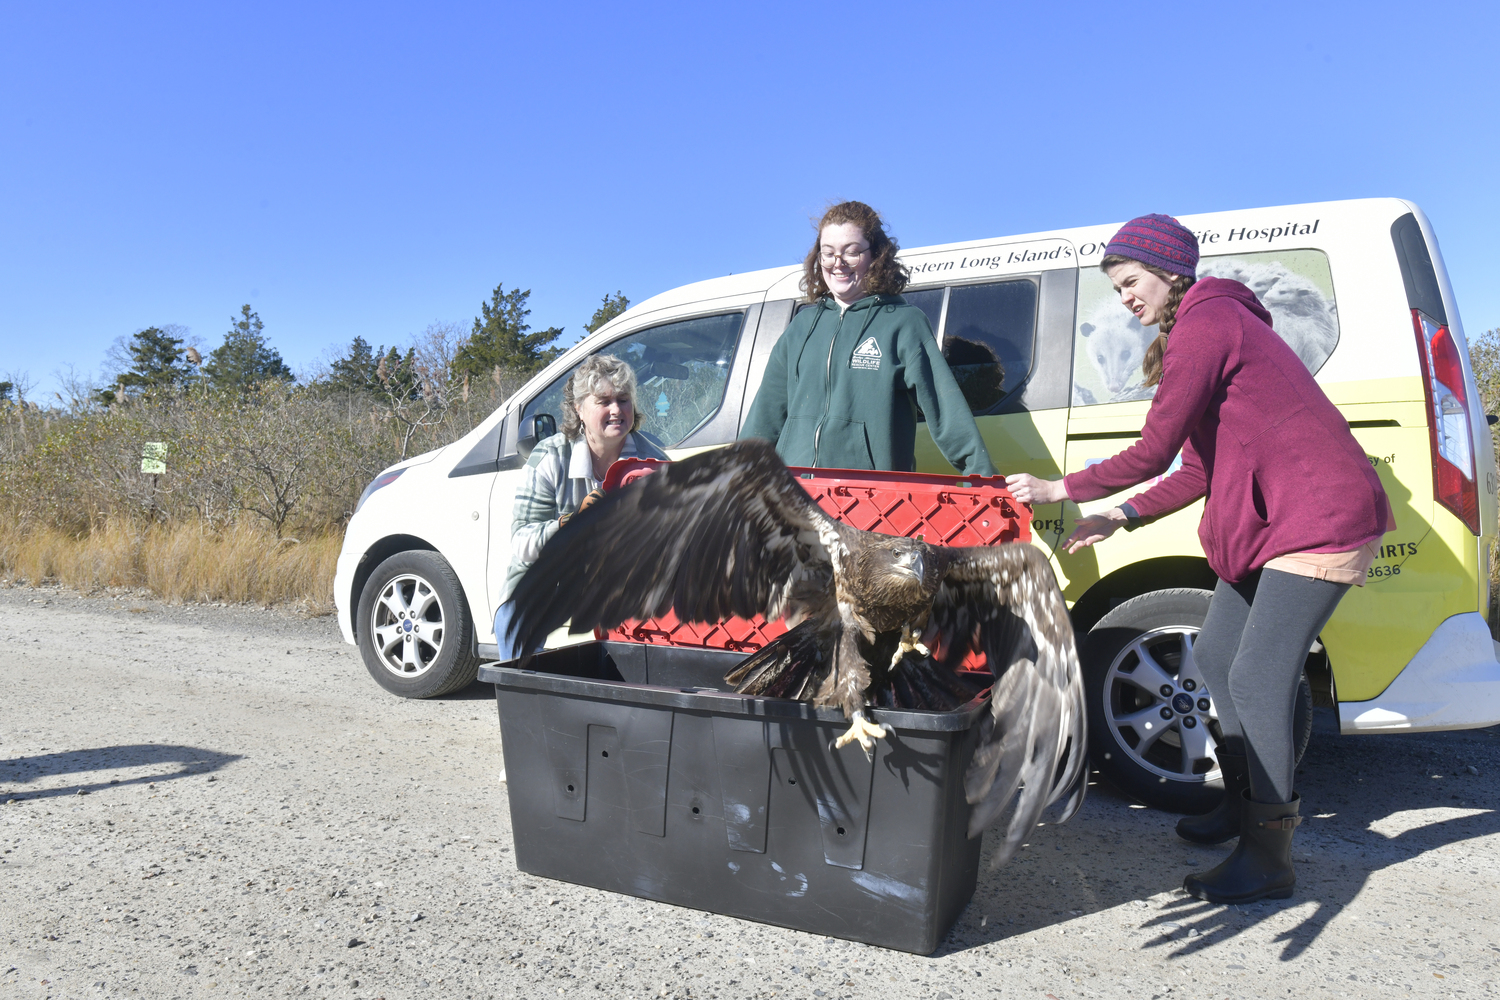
(1151,364)
(887,275)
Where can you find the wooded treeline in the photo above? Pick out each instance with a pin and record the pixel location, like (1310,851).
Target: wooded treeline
(245,438)
(263,469)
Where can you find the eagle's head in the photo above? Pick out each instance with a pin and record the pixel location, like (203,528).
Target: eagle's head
(902,565)
(908,562)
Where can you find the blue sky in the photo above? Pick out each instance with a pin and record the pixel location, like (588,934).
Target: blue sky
(367,169)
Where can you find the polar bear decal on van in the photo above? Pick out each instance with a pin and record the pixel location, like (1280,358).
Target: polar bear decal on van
(1305,317)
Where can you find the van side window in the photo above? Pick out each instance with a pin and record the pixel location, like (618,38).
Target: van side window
(930,301)
(1295,286)
(989,336)
(681,371)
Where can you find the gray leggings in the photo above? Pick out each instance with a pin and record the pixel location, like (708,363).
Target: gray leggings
(1251,650)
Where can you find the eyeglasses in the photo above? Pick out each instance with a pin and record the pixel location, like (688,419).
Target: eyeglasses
(849,256)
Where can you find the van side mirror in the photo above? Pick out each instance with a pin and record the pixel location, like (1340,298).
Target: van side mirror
(537,427)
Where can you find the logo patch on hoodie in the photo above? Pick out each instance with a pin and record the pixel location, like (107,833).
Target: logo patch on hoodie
(866,356)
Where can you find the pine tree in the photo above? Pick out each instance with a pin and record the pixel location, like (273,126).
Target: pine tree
(157,361)
(245,360)
(396,374)
(501,337)
(612,307)
(355,371)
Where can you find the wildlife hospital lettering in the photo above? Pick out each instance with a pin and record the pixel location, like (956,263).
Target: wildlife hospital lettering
(1057,252)
(1244,234)
(993,259)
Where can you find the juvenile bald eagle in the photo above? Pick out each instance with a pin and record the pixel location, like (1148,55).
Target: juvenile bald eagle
(876,619)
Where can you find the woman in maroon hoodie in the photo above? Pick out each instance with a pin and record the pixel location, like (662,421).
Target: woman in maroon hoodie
(1291,516)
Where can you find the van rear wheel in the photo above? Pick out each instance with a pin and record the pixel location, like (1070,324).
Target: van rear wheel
(1153,726)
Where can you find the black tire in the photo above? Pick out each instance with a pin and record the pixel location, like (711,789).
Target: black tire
(415,630)
(1173,766)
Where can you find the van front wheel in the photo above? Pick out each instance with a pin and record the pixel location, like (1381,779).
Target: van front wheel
(1153,726)
(414,627)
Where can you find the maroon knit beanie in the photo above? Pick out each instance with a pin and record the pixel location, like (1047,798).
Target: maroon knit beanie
(1158,240)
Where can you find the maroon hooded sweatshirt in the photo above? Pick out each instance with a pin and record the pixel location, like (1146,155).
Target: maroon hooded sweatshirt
(1259,439)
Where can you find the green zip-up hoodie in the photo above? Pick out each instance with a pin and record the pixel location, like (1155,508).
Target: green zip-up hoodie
(841,391)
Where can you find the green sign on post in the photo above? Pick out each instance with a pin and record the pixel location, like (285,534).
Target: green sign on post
(153,458)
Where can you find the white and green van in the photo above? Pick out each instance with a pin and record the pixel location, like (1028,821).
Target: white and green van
(1050,362)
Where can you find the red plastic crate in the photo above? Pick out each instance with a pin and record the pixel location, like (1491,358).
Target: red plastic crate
(945,510)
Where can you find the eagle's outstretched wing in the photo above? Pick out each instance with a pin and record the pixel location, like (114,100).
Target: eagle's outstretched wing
(724,533)
(1004,601)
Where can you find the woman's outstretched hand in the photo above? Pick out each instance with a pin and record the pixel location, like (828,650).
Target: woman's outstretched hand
(1091,529)
(1031,490)
(1094,528)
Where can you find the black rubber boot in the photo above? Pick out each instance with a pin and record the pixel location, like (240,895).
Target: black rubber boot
(1261,865)
(1223,823)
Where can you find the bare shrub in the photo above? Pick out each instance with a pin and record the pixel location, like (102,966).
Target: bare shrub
(246,474)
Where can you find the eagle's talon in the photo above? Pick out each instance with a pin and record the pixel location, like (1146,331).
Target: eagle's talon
(865,731)
(911,642)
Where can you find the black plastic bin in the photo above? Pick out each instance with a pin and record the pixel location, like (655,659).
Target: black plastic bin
(632,768)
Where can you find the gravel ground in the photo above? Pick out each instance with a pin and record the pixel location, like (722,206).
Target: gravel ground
(210,801)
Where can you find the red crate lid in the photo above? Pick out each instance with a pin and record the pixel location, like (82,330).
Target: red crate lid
(944,510)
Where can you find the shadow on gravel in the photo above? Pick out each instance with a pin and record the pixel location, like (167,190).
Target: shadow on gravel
(188,761)
(478,691)
(1358,793)
(1355,790)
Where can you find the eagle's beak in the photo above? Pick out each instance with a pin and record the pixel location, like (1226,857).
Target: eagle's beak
(910,563)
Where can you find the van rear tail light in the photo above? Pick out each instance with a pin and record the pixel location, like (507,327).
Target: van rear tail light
(1448,420)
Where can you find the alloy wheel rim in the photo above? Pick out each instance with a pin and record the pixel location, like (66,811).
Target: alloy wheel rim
(407,626)
(1158,709)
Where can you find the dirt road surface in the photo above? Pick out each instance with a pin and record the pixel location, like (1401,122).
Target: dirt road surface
(219,802)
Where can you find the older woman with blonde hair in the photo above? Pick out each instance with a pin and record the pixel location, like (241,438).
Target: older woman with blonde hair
(600,426)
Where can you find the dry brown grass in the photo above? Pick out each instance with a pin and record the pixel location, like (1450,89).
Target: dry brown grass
(241,564)
(244,470)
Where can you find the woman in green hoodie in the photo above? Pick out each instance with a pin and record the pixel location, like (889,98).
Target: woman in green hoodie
(844,383)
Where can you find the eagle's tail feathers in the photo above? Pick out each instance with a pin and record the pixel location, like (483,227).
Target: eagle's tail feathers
(921,691)
(789,666)
(904,692)
(922,682)
(788,681)
(951,688)
(749,672)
